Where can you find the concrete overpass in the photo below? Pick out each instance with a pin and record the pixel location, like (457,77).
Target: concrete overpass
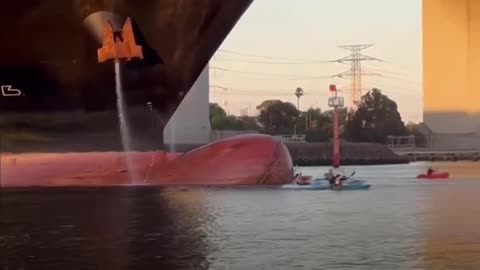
(451,66)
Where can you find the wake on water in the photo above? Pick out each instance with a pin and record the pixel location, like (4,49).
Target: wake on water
(124,128)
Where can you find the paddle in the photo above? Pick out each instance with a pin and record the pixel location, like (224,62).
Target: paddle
(346,177)
(350,175)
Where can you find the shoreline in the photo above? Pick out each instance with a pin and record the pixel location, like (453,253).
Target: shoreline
(303,154)
(351,153)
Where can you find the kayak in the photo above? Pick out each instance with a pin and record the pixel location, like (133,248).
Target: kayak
(440,175)
(323,184)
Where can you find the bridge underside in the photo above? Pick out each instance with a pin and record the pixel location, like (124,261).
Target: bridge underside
(451,52)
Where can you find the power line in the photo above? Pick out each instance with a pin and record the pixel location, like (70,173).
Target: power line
(276,76)
(355,71)
(225,97)
(262,92)
(386,66)
(274,57)
(250,92)
(399,76)
(271,62)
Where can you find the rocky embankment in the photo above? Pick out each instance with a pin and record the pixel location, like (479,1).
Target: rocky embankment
(50,139)
(320,154)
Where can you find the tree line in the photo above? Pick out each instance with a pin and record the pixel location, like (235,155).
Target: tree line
(375,118)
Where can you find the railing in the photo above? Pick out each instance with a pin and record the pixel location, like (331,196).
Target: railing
(291,138)
(401,146)
(439,154)
(221,134)
(401,142)
(432,151)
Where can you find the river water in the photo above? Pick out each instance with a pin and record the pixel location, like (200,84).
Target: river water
(401,223)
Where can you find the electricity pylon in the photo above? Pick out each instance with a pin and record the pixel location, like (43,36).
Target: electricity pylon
(355,72)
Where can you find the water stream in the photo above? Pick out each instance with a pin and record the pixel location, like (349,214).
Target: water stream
(173,134)
(124,128)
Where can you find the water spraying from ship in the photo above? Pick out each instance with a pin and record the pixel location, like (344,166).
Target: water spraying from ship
(124,128)
(173,135)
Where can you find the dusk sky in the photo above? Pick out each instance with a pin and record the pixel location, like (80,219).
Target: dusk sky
(300,36)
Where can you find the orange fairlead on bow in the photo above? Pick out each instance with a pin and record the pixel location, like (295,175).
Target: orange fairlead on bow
(119,45)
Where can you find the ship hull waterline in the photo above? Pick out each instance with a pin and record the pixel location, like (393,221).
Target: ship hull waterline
(235,161)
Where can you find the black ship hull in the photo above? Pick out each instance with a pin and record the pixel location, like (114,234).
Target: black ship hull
(68,101)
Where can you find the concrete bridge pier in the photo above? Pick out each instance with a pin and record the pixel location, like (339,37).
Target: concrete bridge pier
(451,64)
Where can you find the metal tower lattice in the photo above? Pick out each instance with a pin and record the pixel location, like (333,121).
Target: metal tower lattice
(223,97)
(225,100)
(355,72)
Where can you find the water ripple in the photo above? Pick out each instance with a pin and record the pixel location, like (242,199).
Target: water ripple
(400,224)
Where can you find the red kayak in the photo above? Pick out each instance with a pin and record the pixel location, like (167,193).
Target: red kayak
(440,175)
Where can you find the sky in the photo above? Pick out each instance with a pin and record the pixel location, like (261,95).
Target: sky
(292,41)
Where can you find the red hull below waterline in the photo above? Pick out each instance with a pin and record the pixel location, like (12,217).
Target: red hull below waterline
(239,160)
(434,176)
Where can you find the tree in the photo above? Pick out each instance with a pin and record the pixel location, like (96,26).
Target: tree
(328,124)
(278,118)
(376,118)
(420,139)
(312,115)
(249,123)
(220,121)
(317,121)
(240,123)
(233,123)
(266,103)
(218,116)
(321,124)
(298,94)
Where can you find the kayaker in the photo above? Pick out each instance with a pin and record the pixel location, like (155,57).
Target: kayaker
(335,180)
(430,171)
(329,175)
(296,177)
(301,181)
(338,180)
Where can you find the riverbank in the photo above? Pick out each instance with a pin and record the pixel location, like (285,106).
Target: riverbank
(320,154)
(303,154)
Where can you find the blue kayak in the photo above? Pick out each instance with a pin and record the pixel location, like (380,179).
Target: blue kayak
(323,184)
